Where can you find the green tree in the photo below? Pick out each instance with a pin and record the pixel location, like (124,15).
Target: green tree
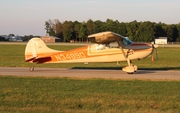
(178,32)
(146,32)
(49,28)
(121,29)
(110,25)
(136,31)
(83,32)
(28,37)
(57,27)
(77,26)
(169,29)
(68,31)
(160,32)
(2,38)
(11,35)
(178,28)
(132,29)
(90,27)
(99,26)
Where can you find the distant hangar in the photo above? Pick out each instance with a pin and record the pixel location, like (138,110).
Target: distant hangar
(50,39)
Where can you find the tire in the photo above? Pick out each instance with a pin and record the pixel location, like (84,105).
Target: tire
(129,72)
(31,69)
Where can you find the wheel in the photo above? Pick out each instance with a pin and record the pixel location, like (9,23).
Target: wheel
(31,68)
(129,72)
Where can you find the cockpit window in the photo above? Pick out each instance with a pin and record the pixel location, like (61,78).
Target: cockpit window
(126,41)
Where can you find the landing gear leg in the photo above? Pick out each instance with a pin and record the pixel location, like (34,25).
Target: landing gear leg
(130,69)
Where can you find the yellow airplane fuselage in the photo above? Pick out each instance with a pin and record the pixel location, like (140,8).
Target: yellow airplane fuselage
(38,52)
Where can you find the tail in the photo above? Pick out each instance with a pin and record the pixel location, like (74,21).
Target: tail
(36,49)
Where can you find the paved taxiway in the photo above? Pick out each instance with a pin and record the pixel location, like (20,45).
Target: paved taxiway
(91,73)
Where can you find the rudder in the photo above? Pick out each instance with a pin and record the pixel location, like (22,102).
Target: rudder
(36,47)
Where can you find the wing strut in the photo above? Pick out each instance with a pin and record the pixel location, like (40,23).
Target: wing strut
(130,69)
(125,56)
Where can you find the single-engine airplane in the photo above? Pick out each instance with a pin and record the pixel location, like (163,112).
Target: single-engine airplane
(102,51)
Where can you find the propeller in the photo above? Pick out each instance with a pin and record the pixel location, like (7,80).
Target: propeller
(155,46)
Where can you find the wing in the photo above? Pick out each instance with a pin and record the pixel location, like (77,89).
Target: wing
(108,37)
(105,37)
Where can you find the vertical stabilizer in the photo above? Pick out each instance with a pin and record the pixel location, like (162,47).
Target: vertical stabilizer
(36,48)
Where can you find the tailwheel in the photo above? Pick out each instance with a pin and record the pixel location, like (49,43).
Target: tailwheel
(31,68)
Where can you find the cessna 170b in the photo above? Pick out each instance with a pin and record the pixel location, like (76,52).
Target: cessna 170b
(37,52)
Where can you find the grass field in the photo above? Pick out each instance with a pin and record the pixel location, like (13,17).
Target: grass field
(65,95)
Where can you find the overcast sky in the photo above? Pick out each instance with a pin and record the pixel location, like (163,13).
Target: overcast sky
(27,17)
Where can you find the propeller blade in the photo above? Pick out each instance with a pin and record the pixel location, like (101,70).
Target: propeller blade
(156,54)
(155,46)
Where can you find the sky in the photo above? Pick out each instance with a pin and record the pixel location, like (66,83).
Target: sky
(27,17)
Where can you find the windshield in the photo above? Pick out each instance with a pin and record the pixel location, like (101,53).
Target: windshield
(126,41)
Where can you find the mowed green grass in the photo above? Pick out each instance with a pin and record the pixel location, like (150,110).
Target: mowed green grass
(63,95)
(168,58)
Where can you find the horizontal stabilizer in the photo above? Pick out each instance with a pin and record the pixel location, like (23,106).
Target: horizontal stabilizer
(37,49)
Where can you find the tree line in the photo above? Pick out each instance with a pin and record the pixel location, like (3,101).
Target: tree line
(137,31)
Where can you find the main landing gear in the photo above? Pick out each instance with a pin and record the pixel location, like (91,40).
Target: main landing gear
(130,69)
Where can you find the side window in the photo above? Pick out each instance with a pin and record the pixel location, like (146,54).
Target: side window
(125,42)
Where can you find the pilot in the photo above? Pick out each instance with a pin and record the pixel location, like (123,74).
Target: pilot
(100,47)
